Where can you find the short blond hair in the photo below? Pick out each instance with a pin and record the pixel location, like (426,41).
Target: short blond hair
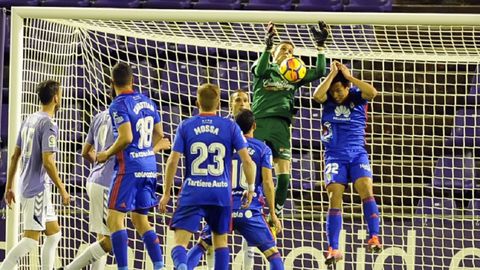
(208,96)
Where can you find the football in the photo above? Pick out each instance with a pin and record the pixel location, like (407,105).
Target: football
(293,69)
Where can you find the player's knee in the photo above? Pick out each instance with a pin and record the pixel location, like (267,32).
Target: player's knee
(114,224)
(52,228)
(220,240)
(364,187)
(136,222)
(336,200)
(282,166)
(106,244)
(335,195)
(141,225)
(35,235)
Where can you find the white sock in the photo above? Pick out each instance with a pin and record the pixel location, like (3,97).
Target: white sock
(100,264)
(21,249)
(49,250)
(210,258)
(248,253)
(89,256)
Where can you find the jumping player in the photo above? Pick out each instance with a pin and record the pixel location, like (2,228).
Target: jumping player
(273,99)
(346,160)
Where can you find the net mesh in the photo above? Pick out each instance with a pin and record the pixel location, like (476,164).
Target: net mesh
(422,132)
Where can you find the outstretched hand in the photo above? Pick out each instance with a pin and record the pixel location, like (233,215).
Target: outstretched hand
(269,36)
(320,34)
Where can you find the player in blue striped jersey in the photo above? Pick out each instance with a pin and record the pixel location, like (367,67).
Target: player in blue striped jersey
(208,142)
(344,119)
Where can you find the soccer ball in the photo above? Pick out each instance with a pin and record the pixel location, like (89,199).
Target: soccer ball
(293,69)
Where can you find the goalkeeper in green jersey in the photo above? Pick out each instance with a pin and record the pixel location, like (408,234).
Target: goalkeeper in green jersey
(273,99)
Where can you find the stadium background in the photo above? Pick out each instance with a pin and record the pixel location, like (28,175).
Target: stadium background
(444,128)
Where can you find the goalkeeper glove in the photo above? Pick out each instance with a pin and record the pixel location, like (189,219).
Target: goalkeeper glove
(320,34)
(269,36)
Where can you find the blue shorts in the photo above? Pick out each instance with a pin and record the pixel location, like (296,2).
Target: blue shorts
(251,224)
(189,217)
(346,167)
(130,193)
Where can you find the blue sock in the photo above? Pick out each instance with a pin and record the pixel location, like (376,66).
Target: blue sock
(179,256)
(222,258)
(120,245)
(152,243)
(276,262)
(334,225)
(194,255)
(371,215)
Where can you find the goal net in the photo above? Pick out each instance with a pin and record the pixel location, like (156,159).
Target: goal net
(423,131)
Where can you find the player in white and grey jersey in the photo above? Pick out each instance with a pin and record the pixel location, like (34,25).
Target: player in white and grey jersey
(99,138)
(36,146)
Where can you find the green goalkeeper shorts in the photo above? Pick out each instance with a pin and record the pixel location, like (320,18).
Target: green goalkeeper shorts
(275,132)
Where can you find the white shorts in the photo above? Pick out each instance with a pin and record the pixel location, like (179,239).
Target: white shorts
(98,195)
(37,211)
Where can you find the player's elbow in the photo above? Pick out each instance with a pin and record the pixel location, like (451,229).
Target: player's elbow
(371,94)
(319,98)
(85,152)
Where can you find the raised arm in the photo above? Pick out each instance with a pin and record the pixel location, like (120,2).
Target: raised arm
(320,93)
(263,62)
(320,36)
(12,169)
(368,91)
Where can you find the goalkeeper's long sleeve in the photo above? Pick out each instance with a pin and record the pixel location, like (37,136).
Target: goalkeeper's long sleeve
(317,72)
(263,63)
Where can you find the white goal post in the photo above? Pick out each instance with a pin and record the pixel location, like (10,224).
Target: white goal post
(423,156)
